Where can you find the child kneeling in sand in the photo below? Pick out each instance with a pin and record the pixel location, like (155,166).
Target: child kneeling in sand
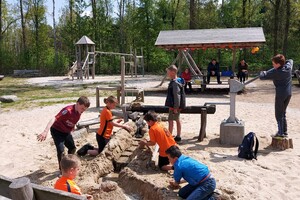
(160,135)
(106,126)
(70,166)
(201,184)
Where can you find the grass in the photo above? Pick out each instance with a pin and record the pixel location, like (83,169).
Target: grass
(39,96)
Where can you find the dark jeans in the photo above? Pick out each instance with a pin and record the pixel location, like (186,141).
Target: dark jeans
(187,84)
(217,74)
(281,104)
(242,76)
(61,140)
(101,142)
(202,191)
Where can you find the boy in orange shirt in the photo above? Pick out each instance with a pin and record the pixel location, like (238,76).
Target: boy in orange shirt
(160,135)
(106,127)
(70,166)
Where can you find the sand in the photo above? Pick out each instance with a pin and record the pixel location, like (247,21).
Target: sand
(274,175)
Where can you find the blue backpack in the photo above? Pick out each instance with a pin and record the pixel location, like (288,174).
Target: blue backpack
(245,149)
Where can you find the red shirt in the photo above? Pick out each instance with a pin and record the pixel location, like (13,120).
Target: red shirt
(186,76)
(66,119)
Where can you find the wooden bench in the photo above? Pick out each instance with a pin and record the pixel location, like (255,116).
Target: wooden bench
(27,73)
(139,92)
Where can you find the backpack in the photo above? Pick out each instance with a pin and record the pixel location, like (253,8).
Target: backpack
(245,149)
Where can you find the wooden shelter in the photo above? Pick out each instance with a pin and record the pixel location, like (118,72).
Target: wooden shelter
(231,38)
(85,57)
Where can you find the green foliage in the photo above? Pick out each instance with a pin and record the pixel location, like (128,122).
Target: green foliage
(136,27)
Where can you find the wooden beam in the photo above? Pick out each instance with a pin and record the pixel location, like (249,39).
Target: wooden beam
(211,109)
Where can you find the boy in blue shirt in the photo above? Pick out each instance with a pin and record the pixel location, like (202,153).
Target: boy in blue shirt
(201,184)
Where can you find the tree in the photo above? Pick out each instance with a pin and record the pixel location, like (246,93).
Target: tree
(193,24)
(287,27)
(54,34)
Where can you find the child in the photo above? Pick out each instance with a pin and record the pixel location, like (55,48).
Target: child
(160,135)
(106,126)
(186,75)
(281,74)
(63,124)
(175,101)
(70,166)
(201,184)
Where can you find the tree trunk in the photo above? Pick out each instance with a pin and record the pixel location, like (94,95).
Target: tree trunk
(276,25)
(287,27)
(71,5)
(193,24)
(94,11)
(23,26)
(36,26)
(244,23)
(1,34)
(54,35)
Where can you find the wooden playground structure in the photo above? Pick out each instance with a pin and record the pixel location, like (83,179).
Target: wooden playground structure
(86,59)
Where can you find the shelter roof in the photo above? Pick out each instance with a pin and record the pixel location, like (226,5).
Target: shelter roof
(85,40)
(211,38)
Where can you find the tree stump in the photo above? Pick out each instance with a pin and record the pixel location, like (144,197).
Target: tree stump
(282,143)
(21,189)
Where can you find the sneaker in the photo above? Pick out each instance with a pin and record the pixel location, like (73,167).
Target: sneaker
(279,135)
(220,82)
(286,134)
(177,138)
(89,146)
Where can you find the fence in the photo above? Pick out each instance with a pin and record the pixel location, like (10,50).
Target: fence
(23,189)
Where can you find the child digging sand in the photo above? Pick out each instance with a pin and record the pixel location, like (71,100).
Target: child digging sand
(160,135)
(70,166)
(105,131)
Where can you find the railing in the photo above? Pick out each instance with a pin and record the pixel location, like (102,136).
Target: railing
(22,188)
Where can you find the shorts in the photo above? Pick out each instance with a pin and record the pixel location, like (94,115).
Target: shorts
(162,161)
(101,142)
(173,116)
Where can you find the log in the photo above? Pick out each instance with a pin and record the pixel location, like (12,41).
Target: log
(282,143)
(21,189)
(211,109)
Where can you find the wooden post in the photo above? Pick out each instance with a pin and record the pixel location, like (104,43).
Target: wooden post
(21,189)
(122,80)
(203,117)
(282,143)
(233,59)
(94,61)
